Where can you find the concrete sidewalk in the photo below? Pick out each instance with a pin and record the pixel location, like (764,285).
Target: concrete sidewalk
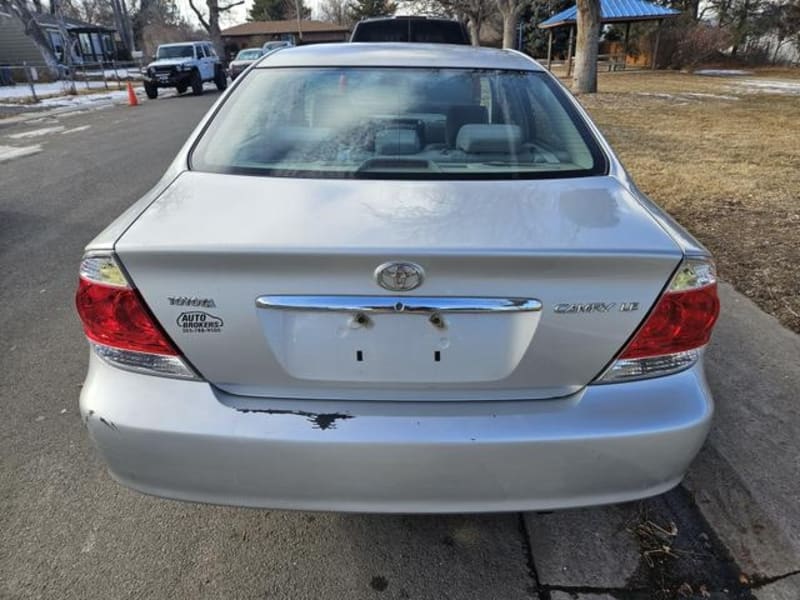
(736,532)
(747,479)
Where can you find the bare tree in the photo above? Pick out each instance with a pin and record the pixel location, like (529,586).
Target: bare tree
(474,14)
(511,10)
(335,11)
(22,12)
(211,22)
(471,12)
(588,38)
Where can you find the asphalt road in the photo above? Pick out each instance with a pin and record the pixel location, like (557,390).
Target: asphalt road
(68,531)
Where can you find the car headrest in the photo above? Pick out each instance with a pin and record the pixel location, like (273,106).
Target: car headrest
(459,115)
(393,141)
(489,139)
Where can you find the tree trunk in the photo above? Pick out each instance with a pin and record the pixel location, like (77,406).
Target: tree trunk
(510,10)
(474,28)
(211,23)
(588,38)
(213,27)
(128,24)
(780,42)
(510,30)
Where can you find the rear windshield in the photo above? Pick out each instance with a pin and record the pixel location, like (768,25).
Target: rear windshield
(410,30)
(398,123)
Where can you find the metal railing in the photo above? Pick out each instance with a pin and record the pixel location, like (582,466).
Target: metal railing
(29,83)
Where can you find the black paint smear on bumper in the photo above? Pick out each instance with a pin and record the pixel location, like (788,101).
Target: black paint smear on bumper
(319,420)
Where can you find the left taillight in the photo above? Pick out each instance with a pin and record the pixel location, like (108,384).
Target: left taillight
(120,328)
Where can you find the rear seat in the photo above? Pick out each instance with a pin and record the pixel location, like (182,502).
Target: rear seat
(489,139)
(459,115)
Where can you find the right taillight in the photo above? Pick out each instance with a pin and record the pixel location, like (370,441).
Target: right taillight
(677,328)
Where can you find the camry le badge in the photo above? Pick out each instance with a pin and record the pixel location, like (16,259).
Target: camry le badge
(399,276)
(569,308)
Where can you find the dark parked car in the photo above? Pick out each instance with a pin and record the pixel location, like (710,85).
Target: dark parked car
(429,30)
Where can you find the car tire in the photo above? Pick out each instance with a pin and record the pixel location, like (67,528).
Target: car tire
(220,78)
(181,87)
(197,84)
(151,91)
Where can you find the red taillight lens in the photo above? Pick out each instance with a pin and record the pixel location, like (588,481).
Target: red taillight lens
(672,336)
(680,321)
(117,317)
(121,330)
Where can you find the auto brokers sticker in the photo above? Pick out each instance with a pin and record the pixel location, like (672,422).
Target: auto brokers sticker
(197,321)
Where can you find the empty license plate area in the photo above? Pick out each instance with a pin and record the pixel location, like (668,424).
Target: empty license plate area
(398,340)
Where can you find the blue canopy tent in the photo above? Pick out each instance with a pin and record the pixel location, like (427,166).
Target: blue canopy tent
(611,11)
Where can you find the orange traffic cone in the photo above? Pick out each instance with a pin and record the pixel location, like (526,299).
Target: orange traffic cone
(132,99)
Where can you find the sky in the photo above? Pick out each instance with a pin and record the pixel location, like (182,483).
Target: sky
(239,14)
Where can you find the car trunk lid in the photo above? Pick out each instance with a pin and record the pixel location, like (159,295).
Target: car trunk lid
(582,252)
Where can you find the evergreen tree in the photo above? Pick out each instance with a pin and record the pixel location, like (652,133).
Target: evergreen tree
(363,9)
(276,10)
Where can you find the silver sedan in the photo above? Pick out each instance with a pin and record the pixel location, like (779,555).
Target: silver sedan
(397,278)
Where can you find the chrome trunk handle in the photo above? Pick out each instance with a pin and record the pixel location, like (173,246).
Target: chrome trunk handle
(426,305)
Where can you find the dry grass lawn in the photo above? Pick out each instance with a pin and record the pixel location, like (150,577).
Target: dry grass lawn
(724,159)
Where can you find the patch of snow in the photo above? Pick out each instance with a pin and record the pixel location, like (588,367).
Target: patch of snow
(121,72)
(769,86)
(12,152)
(76,129)
(722,72)
(683,96)
(711,96)
(85,99)
(22,91)
(36,132)
(657,95)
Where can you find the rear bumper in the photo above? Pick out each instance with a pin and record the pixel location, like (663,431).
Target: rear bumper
(174,78)
(186,440)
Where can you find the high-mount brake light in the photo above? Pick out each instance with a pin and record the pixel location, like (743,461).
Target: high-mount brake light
(120,328)
(677,328)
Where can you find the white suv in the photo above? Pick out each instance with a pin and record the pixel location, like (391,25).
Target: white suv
(182,66)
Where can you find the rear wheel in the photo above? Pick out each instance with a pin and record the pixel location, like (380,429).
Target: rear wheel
(151,90)
(220,78)
(197,84)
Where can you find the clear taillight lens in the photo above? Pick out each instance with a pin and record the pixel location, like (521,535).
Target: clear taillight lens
(677,328)
(120,328)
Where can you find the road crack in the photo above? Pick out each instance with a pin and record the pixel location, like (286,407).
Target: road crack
(759,582)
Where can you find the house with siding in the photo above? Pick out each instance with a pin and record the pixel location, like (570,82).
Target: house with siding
(91,43)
